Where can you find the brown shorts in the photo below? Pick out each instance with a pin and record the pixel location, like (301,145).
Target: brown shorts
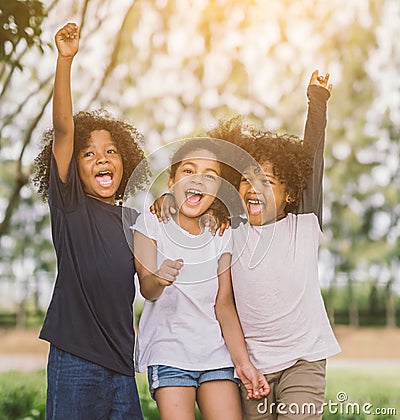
(297,393)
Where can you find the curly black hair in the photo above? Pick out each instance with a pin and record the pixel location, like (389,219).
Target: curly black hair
(126,137)
(290,159)
(227,204)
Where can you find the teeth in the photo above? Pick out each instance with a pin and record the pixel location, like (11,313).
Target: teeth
(255,201)
(194,192)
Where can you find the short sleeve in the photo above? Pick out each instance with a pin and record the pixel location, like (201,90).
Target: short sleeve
(129,217)
(147,224)
(316,228)
(226,243)
(69,195)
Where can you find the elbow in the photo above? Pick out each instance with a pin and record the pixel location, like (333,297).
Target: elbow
(222,310)
(148,296)
(146,289)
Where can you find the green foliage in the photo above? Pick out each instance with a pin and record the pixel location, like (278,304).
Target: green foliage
(174,76)
(22,396)
(378,386)
(20,21)
(33,318)
(149,406)
(371,301)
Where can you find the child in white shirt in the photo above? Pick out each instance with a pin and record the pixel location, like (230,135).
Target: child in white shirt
(275,261)
(189,320)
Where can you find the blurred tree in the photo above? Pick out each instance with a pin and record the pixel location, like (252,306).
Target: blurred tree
(20,30)
(20,23)
(174,67)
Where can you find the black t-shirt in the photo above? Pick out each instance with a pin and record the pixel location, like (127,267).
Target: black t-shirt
(91,311)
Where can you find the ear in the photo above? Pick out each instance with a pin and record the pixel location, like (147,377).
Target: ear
(289,198)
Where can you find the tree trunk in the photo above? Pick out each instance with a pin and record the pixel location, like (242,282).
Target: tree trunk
(390,305)
(353,307)
(330,304)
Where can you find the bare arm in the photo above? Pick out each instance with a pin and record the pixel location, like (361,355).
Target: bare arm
(318,93)
(152,281)
(227,316)
(67,41)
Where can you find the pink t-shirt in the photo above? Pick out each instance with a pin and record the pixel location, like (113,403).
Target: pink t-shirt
(277,293)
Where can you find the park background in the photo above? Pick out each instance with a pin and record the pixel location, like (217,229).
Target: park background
(175,67)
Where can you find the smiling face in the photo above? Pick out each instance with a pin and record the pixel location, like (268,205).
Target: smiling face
(195,184)
(100,167)
(264,195)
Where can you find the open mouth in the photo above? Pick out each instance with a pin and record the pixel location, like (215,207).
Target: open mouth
(104,178)
(193,197)
(255,207)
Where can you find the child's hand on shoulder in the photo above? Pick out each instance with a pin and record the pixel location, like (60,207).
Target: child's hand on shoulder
(164,207)
(168,272)
(213,221)
(322,81)
(67,40)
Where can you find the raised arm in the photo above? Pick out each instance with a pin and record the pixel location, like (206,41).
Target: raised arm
(67,42)
(318,93)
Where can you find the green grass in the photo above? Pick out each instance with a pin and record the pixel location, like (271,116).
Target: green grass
(377,386)
(22,395)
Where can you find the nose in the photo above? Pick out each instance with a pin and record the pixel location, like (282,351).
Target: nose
(102,159)
(254,188)
(197,179)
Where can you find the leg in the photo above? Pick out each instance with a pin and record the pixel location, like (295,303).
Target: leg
(219,400)
(265,408)
(77,389)
(301,390)
(125,404)
(176,402)
(174,390)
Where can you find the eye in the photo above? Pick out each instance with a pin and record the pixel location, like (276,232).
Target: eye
(245,179)
(266,182)
(88,154)
(187,171)
(210,177)
(111,151)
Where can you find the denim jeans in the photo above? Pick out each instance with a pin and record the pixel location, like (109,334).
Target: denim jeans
(78,389)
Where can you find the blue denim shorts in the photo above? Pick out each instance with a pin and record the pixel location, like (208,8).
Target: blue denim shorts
(161,376)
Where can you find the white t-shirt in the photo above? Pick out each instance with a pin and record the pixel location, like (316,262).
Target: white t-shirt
(277,293)
(180,328)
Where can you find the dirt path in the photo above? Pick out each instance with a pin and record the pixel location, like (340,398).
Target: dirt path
(22,350)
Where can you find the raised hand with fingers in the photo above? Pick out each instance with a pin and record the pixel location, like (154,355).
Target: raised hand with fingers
(320,80)
(67,40)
